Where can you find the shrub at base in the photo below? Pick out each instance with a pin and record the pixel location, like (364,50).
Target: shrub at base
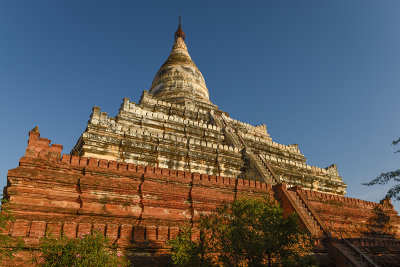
(248,232)
(8,245)
(90,249)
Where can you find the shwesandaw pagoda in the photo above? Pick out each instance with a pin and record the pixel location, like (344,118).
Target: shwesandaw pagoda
(156,166)
(176,126)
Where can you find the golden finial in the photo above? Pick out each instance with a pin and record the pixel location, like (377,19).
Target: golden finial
(36,129)
(179,32)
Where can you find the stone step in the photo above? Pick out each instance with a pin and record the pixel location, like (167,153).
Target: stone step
(310,220)
(350,254)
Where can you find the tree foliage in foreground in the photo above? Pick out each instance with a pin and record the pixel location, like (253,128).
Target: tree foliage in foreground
(90,249)
(386,177)
(8,245)
(247,232)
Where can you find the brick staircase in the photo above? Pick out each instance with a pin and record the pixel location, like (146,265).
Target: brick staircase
(382,250)
(262,162)
(263,168)
(267,175)
(234,138)
(344,252)
(229,132)
(340,249)
(351,253)
(305,214)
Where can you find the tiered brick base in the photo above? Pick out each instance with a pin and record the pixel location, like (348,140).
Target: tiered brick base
(138,207)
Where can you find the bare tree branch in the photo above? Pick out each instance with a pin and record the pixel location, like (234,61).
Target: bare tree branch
(394,192)
(395,142)
(384,178)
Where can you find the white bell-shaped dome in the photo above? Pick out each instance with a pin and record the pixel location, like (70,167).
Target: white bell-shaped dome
(179,77)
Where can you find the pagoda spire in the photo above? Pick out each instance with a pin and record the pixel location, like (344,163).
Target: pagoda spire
(179,79)
(179,32)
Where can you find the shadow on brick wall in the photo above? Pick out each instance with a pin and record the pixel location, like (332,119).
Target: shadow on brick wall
(380,225)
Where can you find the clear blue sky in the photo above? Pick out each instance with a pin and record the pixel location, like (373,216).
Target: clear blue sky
(323,74)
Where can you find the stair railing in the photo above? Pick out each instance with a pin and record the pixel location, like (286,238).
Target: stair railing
(269,168)
(349,237)
(259,167)
(233,139)
(236,136)
(363,257)
(359,243)
(313,212)
(229,131)
(298,211)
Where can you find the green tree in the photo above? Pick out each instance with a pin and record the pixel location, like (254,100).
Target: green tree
(90,249)
(187,252)
(8,245)
(384,178)
(247,232)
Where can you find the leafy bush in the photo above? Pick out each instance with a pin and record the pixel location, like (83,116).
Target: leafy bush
(8,245)
(247,232)
(187,252)
(90,249)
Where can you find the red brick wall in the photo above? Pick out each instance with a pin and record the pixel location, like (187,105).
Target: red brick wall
(354,216)
(138,207)
(132,203)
